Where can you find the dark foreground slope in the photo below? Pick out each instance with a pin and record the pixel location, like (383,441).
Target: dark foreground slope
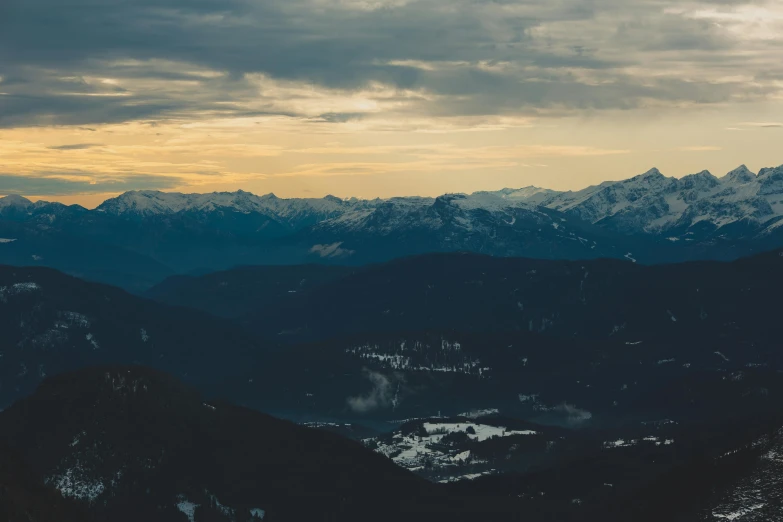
(24,496)
(133,444)
(51,323)
(125,444)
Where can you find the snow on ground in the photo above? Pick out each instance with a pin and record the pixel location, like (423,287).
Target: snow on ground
(468,476)
(475,414)
(481,433)
(258,513)
(228,511)
(756,497)
(738,514)
(415,451)
(77,483)
(623,443)
(90,337)
(17,289)
(68,319)
(187,507)
(421,357)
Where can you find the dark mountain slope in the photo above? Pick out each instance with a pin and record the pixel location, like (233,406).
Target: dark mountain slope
(134,444)
(576,383)
(24,497)
(232,293)
(584,299)
(590,299)
(51,322)
(80,256)
(130,443)
(611,339)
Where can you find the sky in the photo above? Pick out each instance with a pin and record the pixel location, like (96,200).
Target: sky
(377,98)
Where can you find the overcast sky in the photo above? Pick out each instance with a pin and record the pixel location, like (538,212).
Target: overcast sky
(381,97)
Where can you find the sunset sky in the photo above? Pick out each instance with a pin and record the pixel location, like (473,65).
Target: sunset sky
(374,98)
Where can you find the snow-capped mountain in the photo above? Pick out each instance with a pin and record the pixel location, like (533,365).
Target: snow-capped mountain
(649,203)
(649,218)
(293,213)
(652,203)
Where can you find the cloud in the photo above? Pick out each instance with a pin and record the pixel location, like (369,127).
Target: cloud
(382,394)
(764,125)
(331,251)
(75,146)
(49,185)
(573,414)
(341,61)
(699,148)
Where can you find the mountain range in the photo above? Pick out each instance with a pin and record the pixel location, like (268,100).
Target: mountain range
(139,238)
(411,337)
(609,338)
(475,387)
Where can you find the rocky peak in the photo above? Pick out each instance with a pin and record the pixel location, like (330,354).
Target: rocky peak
(700,180)
(741,174)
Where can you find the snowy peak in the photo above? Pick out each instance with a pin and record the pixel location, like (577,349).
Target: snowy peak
(650,174)
(151,203)
(770,171)
(704,175)
(771,181)
(144,203)
(527,195)
(741,174)
(651,178)
(14,201)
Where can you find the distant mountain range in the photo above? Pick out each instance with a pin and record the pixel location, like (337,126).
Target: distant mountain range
(138,238)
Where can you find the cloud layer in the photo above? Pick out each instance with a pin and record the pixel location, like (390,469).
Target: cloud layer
(103,61)
(382,395)
(381,97)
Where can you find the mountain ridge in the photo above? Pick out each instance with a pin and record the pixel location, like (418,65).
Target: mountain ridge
(594,203)
(649,218)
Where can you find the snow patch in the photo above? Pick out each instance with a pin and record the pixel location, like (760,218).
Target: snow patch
(734,515)
(719,354)
(475,414)
(187,507)
(77,483)
(481,433)
(91,338)
(332,250)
